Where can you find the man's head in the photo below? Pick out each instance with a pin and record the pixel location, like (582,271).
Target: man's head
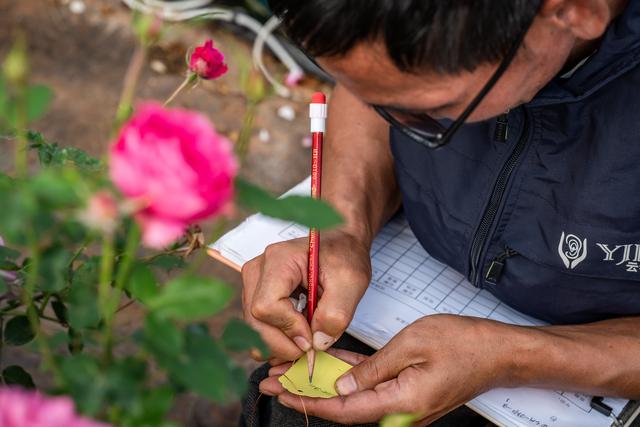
(434,56)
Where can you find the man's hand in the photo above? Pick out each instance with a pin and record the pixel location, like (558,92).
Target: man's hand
(430,368)
(269,280)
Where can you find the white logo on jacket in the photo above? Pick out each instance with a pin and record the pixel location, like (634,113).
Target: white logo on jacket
(572,250)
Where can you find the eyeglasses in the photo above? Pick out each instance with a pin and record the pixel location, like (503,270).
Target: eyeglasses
(428,131)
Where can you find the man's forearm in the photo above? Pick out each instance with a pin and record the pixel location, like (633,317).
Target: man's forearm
(601,358)
(358,176)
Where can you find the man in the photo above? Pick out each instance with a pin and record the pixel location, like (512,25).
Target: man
(526,184)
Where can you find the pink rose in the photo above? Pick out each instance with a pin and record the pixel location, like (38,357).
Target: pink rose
(207,62)
(24,408)
(175,163)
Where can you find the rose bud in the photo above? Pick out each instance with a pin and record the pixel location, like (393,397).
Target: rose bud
(207,62)
(101,212)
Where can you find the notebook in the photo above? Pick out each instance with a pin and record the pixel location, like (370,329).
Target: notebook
(407,284)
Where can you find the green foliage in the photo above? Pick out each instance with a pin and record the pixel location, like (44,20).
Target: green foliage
(76,276)
(142,283)
(16,375)
(18,331)
(238,336)
(190,297)
(167,262)
(52,274)
(83,306)
(193,359)
(84,381)
(303,210)
(51,154)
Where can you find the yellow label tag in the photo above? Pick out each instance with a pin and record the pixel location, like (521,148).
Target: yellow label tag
(325,373)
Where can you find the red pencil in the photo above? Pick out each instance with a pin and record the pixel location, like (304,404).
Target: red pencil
(318,115)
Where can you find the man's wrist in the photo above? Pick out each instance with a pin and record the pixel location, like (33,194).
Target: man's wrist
(522,354)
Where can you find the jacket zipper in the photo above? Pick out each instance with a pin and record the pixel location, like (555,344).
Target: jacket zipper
(496,267)
(501,132)
(495,201)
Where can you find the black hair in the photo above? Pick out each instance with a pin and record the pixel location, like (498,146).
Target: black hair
(446,36)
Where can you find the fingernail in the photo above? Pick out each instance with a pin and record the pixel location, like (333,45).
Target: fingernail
(302,343)
(322,341)
(346,385)
(284,403)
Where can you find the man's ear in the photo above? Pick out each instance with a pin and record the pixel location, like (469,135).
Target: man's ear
(585,19)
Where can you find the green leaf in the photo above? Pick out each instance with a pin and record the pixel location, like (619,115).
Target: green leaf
(52,274)
(156,403)
(167,262)
(8,253)
(3,286)
(75,343)
(18,331)
(190,298)
(142,283)
(162,339)
(38,99)
(84,381)
(51,154)
(57,188)
(207,369)
(16,375)
(303,210)
(398,420)
(83,296)
(238,336)
(60,310)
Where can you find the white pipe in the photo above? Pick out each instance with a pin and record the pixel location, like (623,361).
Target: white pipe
(190,9)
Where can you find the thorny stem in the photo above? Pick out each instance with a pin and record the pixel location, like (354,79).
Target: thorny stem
(124,268)
(104,286)
(32,314)
(244,138)
(130,83)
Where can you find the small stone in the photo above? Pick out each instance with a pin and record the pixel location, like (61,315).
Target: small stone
(306,142)
(287,113)
(264,135)
(158,66)
(78,7)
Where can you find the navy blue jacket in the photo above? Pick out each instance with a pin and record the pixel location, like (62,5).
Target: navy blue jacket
(549,220)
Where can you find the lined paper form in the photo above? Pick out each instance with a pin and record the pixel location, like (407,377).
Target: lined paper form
(407,284)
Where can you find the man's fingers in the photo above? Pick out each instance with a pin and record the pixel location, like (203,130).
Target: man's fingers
(271,386)
(278,370)
(380,367)
(342,291)
(281,273)
(361,407)
(348,356)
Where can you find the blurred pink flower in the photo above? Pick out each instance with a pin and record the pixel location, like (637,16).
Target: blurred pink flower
(175,163)
(101,212)
(25,408)
(207,62)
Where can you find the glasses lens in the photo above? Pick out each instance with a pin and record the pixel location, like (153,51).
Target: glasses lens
(419,124)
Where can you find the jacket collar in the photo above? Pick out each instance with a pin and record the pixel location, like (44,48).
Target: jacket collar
(618,52)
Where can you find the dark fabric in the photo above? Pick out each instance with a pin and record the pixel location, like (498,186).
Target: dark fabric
(568,204)
(265,411)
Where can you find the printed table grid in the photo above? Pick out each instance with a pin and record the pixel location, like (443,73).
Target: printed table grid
(401,267)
